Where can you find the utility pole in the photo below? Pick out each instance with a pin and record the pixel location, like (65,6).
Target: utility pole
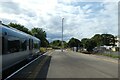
(62,35)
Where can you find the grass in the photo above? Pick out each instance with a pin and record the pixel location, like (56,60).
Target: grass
(110,55)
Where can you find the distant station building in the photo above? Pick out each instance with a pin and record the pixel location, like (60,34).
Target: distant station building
(117,43)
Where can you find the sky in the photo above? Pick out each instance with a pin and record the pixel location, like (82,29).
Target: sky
(82,18)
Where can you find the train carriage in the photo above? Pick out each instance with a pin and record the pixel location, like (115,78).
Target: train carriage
(16,46)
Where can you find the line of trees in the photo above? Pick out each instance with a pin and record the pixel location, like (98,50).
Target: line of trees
(88,43)
(56,44)
(37,32)
(96,40)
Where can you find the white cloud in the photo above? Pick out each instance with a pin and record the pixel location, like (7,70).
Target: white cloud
(80,20)
(87,7)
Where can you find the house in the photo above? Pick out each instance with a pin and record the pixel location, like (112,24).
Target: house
(117,43)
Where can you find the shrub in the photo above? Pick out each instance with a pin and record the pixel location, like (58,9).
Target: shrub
(43,50)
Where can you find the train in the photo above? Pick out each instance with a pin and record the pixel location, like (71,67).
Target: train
(16,46)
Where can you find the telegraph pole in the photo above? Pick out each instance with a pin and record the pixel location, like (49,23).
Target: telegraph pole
(62,35)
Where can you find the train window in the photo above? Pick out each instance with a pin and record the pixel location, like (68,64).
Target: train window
(2,45)
(36,45)
(29,45)
(13,44)
(32,44)
(23,45)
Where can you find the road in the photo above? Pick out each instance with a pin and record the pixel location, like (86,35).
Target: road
(68,64)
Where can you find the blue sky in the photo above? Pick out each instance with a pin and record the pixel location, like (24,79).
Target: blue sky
(81,19)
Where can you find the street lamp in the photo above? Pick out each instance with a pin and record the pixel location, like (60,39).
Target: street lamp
(62,35)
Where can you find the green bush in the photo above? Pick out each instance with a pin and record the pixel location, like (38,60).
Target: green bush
(43,50)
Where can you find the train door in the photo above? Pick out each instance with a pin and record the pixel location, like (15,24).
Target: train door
(4,48)
(31,46)
(4,43)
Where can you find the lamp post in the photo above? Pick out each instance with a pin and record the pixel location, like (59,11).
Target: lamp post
(62,35)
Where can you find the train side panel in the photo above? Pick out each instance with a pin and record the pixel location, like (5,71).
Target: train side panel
(16,46)
(14,58)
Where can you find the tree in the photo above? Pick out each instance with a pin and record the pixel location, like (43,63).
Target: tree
(37,32)
(84,41)
(98,39)
(108,39)
(104,39)
(57,44)
(46,43)
(89,44)
(73,42)
(40,34)
(20,27)
(65,44)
